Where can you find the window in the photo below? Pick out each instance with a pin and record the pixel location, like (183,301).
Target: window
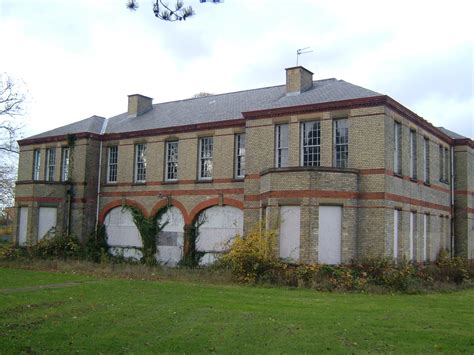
(240,155)
(140,162)
(171,167)
(425,236)
(112,162)
(396,223)
(36,164)
(205,158)
(50,163)
(311,143)
(413,160)
(446,165)
(441,163)
(412,236)
(65,164)
(397,154)
(341,143)
(426,160)
(281,146)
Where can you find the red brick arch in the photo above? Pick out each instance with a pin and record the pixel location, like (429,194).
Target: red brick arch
(175,203)
(210,203)
(119,203)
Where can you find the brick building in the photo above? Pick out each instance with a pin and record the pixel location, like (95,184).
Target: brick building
(341,172)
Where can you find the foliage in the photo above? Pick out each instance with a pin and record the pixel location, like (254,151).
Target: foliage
(167,13)
(454,269)
(96,246)
(251,256)
(57,246)
(12,100)
(192,256)
(149,229)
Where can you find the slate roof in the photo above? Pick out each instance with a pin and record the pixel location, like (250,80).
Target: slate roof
(216,108)
(451,134)
(92,124)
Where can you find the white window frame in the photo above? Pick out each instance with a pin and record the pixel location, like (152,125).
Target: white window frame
(205,163)
(140,163)
(310,147)
(112,164)
(50,164)
(425,236)
(65,156)
(240,156)
(36,164)
(171,161)
(280,147)
(426,160)
(397,153)
(339,161)
(413,157)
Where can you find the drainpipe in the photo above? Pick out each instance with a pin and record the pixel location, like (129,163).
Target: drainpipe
(452,201)
(102,131)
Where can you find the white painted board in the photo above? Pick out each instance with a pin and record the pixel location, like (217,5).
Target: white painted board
(330,234)
(290,217)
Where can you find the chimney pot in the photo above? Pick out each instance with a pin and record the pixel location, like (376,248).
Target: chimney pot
(298,80)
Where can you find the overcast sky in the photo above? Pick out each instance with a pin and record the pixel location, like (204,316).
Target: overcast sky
(79,58)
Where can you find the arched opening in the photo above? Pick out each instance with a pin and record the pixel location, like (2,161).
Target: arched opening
(216,227)
(171,237)
(123,237)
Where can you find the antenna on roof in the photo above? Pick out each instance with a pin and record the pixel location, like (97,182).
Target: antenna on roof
(302,51)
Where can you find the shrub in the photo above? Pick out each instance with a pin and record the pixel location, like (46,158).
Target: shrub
(449,269)
(57,246)
(251,256)
(96,246)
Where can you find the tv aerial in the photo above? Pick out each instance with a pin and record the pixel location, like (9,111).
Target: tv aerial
(302,51)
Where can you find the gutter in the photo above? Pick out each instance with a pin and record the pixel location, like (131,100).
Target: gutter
(102,132)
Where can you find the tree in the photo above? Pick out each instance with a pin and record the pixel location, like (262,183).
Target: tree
(12,99)
(168,13)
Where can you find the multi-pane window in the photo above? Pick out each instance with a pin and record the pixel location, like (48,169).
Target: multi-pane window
(281,146)
(441,163)
(112,162)
(426,160)
(311,143)
(36,164)
(397,153)
(446,164)
(239,155)
(171,164)
(413,160)
(205,158)
(341,143)
(65,164)
(50,163)
(140,162)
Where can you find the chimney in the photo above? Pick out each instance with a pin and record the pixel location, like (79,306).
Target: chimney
(298,80)
(138,105)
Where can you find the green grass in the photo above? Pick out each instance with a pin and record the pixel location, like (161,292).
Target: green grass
(116,315)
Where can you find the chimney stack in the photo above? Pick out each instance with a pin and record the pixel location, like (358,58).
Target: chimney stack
(298,80)
(138,105)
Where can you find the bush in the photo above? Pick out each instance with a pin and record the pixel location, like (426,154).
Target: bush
(449,269)
(57,246)
(250,257)
(96,246)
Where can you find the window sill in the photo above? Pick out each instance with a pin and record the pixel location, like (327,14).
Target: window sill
(210,181)
(238,179)
(170,182)
(398,175)
(427,183)
(412,179)
(141,183)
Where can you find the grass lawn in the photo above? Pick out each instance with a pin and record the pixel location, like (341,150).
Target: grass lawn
(113,315)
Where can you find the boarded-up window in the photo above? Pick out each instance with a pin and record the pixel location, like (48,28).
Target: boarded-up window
(46,221)
(290,217)
(330,234)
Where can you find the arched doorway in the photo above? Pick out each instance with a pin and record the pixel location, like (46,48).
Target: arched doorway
(123,237)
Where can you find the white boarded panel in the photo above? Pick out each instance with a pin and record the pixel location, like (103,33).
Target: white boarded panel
(330,234)
(22,225)
(171,237)
(220,225)
(121,231)
(46,220)
(290,217)
(396,221)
